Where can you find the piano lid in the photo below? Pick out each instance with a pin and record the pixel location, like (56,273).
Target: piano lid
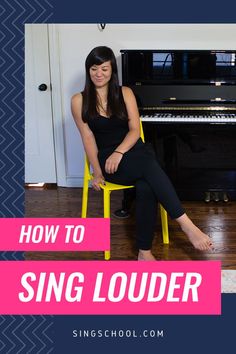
(171,79)
(179,67)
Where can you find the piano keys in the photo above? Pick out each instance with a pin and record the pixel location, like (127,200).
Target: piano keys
(214,118)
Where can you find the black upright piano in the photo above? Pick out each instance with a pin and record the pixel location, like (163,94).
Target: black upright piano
(187,102)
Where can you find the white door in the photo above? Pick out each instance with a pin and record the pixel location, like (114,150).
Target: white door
(39,139)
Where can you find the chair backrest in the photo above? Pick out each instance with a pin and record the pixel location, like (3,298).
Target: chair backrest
(87,172)
(141,131)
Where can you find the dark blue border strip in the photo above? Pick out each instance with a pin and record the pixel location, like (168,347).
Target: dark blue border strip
(18,334)
(148,11)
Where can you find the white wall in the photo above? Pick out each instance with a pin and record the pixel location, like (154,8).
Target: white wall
(76,40)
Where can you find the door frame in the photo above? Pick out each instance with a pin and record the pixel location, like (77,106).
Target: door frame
(57,108)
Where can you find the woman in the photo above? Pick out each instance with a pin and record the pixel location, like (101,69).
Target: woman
(108,120)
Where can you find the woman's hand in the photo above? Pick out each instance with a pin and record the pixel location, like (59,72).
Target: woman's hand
(96,181)
(112,162)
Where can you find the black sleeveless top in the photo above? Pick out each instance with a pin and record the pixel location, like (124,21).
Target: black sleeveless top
(108,132)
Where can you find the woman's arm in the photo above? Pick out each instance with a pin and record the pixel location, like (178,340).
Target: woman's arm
(88,139)
(133,121)
(132,136)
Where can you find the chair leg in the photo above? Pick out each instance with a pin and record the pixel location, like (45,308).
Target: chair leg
(164,224)
(85,199)
(106,213)
(107,255)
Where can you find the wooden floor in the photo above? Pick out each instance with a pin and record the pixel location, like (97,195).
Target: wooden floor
(216,219)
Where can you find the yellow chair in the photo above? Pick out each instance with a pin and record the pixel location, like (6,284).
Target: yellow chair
(107,189)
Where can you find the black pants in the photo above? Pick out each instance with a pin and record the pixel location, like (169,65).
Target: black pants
(140,168)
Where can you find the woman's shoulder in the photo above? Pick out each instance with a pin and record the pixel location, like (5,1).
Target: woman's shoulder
(77,100)
(127,92)
(77,97)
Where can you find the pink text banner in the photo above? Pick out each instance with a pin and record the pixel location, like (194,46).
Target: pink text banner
(54,234)
(115,287)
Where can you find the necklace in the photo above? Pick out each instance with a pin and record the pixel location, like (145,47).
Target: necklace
(102,106)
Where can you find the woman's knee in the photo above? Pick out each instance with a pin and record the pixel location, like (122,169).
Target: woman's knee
(143,190)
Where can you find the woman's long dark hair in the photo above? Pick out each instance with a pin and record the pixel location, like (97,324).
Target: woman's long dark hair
(115,102)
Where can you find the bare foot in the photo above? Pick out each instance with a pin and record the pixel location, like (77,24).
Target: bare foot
(145,255)
(199,239)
